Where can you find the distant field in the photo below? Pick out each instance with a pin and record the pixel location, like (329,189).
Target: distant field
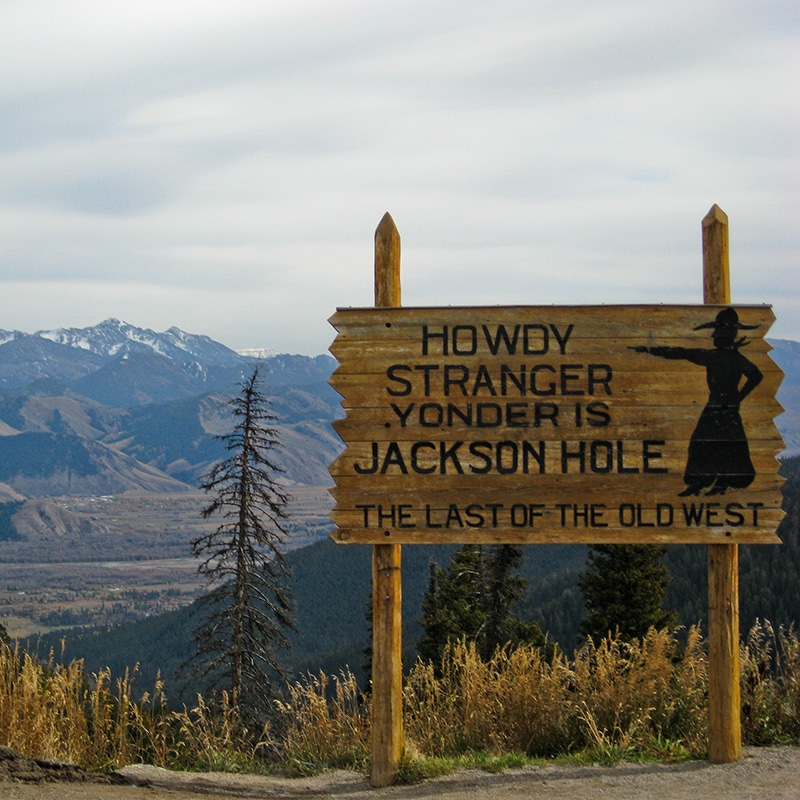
(136,562)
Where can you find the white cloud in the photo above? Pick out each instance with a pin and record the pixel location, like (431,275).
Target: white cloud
(222,166)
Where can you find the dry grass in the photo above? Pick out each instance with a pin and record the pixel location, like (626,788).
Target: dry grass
(647,695)
(612,700)
(42,710)
(57,712)
(326,724)
(770,663)
(513,703)
(213,738)
(615,696)
(645,699)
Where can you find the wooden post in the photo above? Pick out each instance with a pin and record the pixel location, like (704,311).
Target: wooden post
(387,622)
(724,696)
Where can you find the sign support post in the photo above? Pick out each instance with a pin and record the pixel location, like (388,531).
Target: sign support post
(724,694)
(555,424)
(387,621)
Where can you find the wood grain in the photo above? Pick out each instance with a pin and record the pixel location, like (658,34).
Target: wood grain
(547,404)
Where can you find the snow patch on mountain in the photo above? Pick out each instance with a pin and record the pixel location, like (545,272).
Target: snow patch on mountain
(257,352)
(113,338)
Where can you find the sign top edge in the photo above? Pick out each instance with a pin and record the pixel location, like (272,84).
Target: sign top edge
(554,306)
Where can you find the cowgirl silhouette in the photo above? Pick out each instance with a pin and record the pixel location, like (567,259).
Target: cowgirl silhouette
(719,456)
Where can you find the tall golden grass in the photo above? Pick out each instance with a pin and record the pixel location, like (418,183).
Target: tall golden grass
(612,700)
(615,696)
(325,725)
(59,713)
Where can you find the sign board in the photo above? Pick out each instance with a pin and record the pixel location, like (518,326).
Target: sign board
(596,424)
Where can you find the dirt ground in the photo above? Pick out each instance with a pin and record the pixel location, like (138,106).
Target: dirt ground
(769,772)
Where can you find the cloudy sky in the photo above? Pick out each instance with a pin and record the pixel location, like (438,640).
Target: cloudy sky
(222,166)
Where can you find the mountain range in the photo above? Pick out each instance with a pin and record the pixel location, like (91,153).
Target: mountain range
(140,408)
(115,408)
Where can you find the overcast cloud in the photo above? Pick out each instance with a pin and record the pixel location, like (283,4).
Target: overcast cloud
(222,166)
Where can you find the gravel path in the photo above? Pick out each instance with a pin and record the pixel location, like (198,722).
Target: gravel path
(770,772)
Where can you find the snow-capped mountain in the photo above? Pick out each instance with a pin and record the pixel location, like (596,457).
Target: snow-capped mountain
(113,337)
(257,352)
(156,397)
(118,364)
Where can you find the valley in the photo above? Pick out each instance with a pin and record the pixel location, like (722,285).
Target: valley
(130,561)
(42,598)
(105,434)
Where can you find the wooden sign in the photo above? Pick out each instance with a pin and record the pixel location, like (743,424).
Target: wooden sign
(615,424)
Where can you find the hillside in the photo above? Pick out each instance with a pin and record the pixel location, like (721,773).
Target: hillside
(787,355)
(50,464)
(331,586)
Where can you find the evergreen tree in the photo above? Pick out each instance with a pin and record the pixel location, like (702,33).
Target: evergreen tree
(453,606)
(435,629)
(248,612)
(623,590)
(504,588)
(473,599)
